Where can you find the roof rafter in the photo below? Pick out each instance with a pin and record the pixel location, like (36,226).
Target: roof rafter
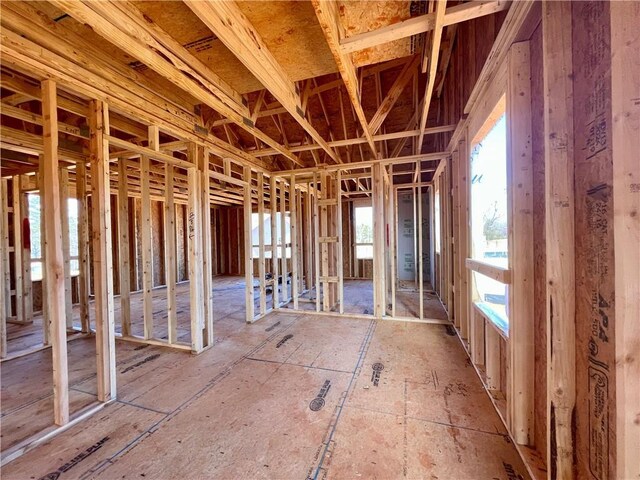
(433,67)
(233,28)
(327,13)
(126,27)
(423,23)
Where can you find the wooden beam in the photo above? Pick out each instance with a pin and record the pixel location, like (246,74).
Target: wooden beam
(4,297)
(170,254)
(339,244)
(293,224)
(53,265)
(123,249)
(127,27)
(394,93)
(560,238)
(102,251)
(436,38)
(194,229)
(316,236)
(500,274)
(248,248)
(123,95)
(521,394)
(17,249)
(232,27)
(424,23)
(147,249)
(66,244)
(261,250)
(379,243)
(207,262)
(328,16)
(625,84)
(273,185)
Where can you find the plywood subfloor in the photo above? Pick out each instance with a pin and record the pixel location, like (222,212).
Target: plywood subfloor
(290,396)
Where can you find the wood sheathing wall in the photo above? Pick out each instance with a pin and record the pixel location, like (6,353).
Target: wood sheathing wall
(584,87)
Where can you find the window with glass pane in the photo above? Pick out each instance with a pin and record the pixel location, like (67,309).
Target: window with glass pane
(489,225)
(364,232)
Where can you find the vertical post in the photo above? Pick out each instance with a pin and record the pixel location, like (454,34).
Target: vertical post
(42,186)
(520,393)
(457,273)
(170,253)
(394,246)
(492,362)
(420,260)
(102,252)
(123,247)
(83,247)
(147,253)
(308,258)
(379,237)
(273,192)
(3,297)
(465,238)
(195,251)
(414,194)
(316,235)
(299,240)
(27,299)
(283,234)
(248,246)
(207,262)
(4,185)
(64,215)
(294,240)
(17,247)
(54,261)
(339,243)
(560,240)
(324,245)
(261,251)
(625,82)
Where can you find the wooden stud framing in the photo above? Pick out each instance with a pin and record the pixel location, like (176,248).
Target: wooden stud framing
(17,249)
(27,298)
(207,262)
(194,228)
(379,243)
(4,298)
(316,236)
(520,394)
(294,240)
(339,244)
(147,252)
(420,262)
(560,239)
(261,249)
(102,252)
(248,248)
(64,218)
(171,276)
(625,73)
(83,248)
(492,359)
(54,261)
(284,291)
(273,193)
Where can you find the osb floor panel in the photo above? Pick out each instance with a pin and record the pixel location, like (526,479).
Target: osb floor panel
(291,396)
